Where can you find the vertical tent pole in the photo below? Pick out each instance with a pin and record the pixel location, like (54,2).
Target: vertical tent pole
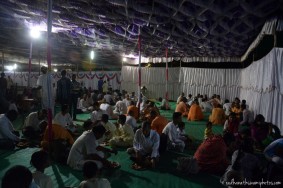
(29,63)
(2,61)
(139,88)
(49,84)
(166,95)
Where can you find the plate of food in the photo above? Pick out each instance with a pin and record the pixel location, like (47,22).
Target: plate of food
(115,165)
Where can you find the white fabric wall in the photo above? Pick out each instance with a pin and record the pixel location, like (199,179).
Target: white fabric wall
(262,86)
(154,80)
(87,79)
(224,82)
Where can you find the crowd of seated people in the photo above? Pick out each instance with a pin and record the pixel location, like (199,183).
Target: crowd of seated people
(143,134)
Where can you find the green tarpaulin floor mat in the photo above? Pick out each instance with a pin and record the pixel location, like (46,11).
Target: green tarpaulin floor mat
(165,175)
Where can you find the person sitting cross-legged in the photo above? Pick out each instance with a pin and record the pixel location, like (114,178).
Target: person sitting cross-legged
(32,126)
(195,112)
(124,134)
(86,148)
(145,147)
(170,130)
(64,119)
(91,179)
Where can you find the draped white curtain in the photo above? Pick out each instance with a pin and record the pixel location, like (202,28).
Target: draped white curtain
(262,86)
(224,82)
(153,78)
(87,79)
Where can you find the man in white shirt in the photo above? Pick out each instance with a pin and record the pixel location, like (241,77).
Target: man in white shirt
(248,116)
(86,148)
(97,113)
(120,107)
(227,107)
(108,98)
(205,106)
(145,147)
(8,135)
(130,120)
(43,85)
(32,126)
(127,100)
(171,131)
(110,127)
(108,110)
(64,119)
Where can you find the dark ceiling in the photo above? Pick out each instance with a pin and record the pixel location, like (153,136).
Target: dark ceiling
(188,28)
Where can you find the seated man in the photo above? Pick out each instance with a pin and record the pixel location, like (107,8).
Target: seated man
(217,116)
(182,107)
(64,119)
(32,126)
(195,112)
(135,110)
(174,141)
(145,115)
(8,135)
(158,123)
(164,104)
(260,131)
(107,109)
(145,147)
(274,154)
(58,133)
(96,115)
(248,116)
(110,127)
(86,149)
(120,107)
(131,120)
(124,134)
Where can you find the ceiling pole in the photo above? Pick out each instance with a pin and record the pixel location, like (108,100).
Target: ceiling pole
(39,63)
(2,61)
(166,95)
(139,87)
(29,63)
(49,84)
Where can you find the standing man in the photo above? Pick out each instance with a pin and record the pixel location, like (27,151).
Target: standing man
(64,89)
(43,86)
(75,92)
(100,84)
(3,85)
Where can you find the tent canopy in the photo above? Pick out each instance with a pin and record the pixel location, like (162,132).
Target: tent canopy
(190,29)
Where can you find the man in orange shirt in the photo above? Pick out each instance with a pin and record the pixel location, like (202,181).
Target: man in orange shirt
(134,109)
(158,123)
(195,113)
(182,107)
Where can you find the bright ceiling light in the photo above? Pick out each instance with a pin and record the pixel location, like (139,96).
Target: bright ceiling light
(92,55)
(34,33)
(15,66)
(55,70)
(124,59)
(11,67)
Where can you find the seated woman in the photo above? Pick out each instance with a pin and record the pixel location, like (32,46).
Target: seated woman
(195,112)
(231,125)
(211,155)
(259,131)
(217,116)
(236,108)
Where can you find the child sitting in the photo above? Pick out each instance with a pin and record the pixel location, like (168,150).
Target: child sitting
(208,130)
(40,161)
(182,134)
(90,173)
